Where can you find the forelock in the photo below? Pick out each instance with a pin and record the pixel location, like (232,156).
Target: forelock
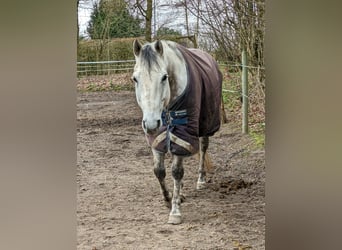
(149,57)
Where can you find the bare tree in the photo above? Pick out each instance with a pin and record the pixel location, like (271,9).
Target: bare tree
(231,25)
(185,4)
(145,7)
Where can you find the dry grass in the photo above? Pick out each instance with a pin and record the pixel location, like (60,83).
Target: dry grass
(115,82)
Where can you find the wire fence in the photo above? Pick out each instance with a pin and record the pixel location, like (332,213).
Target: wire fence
(104,67)
(126,66)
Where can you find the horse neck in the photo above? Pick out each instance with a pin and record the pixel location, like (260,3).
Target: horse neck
(177,71)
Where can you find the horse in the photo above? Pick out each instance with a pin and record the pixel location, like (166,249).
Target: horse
(179,92)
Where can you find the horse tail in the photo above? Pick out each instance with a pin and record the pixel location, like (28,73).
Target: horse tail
(224,118)
(208,166)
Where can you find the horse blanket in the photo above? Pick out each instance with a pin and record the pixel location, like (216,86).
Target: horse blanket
(196,112)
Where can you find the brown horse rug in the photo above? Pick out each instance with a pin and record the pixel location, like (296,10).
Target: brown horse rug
(196,112)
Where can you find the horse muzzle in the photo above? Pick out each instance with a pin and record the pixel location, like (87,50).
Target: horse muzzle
(151,127)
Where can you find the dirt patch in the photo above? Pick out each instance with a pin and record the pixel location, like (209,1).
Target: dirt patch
(119,202)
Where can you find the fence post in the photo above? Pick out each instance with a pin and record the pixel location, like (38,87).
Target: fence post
(244,78)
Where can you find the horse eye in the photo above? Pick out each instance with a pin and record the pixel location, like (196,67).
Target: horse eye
(135,79)
(164,77)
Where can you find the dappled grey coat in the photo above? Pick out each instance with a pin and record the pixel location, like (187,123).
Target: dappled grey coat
(201,99)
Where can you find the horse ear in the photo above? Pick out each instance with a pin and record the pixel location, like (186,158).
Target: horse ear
(159,47)
(136,47)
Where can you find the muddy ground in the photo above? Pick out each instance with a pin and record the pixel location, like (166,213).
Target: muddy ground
(119,202)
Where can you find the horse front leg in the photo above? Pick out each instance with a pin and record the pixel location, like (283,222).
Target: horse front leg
(160,173)
(177,174)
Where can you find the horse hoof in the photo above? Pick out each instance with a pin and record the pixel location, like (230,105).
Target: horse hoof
(175,219)
(201,185)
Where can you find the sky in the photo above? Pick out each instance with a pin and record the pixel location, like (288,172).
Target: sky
(84,13)
(165,16)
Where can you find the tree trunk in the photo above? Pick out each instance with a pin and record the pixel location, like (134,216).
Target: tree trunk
(148,27)
(78,25)
(186,18)
(197,18)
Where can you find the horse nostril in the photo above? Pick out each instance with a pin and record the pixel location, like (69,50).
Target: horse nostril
(144,124)
(158,123)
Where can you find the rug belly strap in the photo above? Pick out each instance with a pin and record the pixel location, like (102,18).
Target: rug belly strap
(173,137)
(184,144)
(174,144)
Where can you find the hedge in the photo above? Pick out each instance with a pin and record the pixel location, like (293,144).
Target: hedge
(113,49)
(105,50)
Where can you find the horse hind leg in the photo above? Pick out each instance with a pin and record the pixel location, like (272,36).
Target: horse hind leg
(160,173)
(177,174)
(204,144)
(182,196)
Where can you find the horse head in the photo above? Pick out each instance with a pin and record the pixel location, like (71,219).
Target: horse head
(151,81)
